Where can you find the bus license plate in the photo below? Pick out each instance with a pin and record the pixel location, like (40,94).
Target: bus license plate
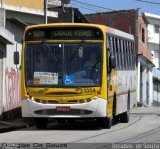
(62,109)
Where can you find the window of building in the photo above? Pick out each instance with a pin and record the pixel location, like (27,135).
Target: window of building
(143,35)
(156,54)
(156,28)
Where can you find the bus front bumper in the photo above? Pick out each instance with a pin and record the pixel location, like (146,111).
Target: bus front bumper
(93,109)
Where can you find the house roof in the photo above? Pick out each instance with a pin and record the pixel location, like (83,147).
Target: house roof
(115,11)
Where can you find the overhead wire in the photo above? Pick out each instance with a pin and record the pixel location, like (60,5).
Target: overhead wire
(144,1)
(91,5)
(83,7)
(105,8)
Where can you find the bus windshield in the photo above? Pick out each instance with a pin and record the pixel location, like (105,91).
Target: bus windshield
(63,64)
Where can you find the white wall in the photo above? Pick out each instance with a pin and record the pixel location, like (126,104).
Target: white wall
(155,58)
(10,75)
(144,82)
(153,38)
(11,87)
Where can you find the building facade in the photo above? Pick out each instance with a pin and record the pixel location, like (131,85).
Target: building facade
(133,22)
(14,17)
(154,46)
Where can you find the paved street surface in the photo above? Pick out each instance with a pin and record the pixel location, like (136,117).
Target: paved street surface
(144,127)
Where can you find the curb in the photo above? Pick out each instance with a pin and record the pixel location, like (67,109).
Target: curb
(11,126)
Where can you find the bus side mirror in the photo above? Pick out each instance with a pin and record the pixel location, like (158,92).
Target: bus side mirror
(16,57)
(112,62)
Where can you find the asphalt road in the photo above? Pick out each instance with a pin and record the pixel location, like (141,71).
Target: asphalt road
(143,127)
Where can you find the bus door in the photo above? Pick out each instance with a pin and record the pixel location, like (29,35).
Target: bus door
(111,75)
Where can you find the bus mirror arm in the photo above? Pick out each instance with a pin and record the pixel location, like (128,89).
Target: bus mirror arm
(16,57)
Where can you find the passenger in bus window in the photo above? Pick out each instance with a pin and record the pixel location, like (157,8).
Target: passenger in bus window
(88,65)
(40,64)
(92,67)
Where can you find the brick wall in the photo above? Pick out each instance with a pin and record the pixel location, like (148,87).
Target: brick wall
(125,20)
(122,20)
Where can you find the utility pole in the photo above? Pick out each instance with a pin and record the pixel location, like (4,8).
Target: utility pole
(1,3)
(45,11)
(138,65)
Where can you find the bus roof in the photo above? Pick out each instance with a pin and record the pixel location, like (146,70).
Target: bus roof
(65,24)
(119,33)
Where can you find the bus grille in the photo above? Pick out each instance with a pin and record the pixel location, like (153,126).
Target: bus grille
(71,112)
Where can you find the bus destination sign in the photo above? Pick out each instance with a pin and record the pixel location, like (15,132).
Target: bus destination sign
(64,34)
(70,33)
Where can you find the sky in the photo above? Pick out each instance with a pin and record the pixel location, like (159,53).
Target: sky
(85,6)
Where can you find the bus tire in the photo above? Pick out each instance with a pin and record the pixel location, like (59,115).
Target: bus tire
(106,122)
(116,119)
(124,117)
(41,123)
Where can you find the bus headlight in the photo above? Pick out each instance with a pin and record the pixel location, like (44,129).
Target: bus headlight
(38,100)
(95,97)
(81,101)
(88,99)
(44,101)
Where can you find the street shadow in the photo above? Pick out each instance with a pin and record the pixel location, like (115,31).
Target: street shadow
(81,125)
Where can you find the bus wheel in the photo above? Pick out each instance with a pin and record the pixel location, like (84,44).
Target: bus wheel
(124,117)
(116,119)
(41,123)
(106,122)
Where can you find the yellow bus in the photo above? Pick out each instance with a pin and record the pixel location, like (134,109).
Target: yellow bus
(77,71)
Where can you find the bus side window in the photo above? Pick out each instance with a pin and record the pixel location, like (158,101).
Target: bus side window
(122,54)
(130,54)
(133,55)
(109,46)
(108,42)
(125,55)
(119,54)
(114,51)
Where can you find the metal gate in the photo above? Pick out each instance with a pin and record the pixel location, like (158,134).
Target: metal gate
(156,93)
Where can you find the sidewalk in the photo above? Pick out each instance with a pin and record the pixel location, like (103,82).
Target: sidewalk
(6,126)
(150,110)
